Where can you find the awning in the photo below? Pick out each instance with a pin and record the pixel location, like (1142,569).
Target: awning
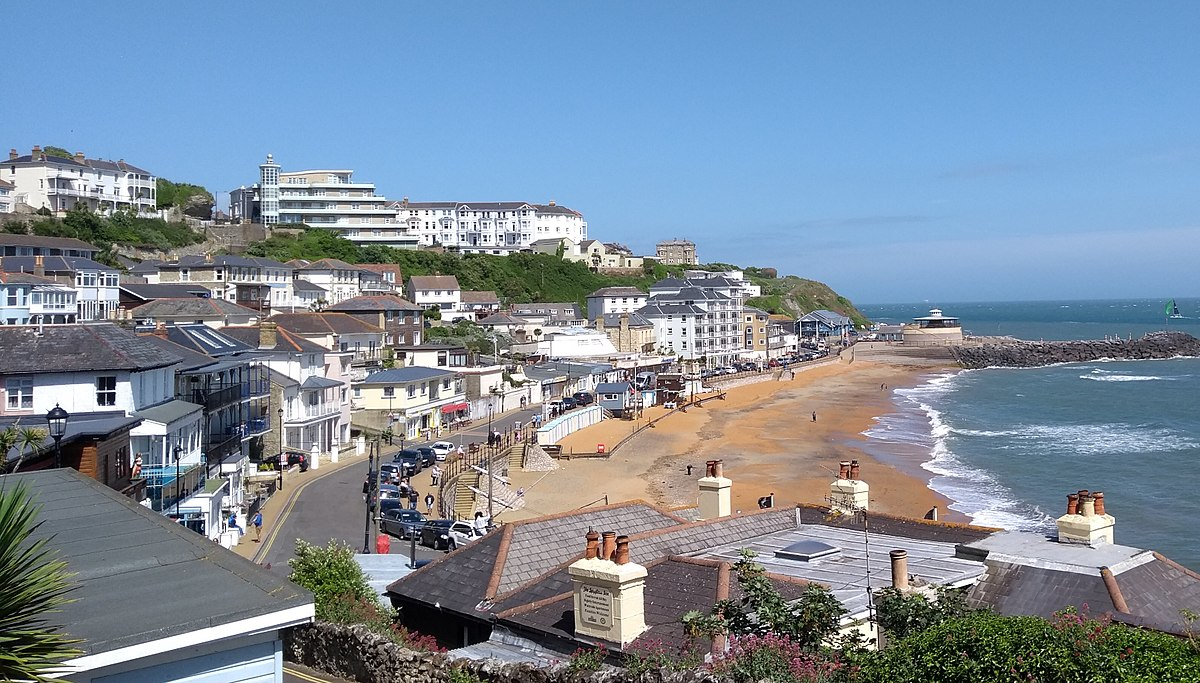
(455,407)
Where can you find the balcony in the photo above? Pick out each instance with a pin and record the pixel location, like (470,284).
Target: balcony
(165,490)
(257,427)
(313,412)
(222,444)
(213,399)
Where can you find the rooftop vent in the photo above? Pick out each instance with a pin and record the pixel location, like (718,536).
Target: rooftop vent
(806,551)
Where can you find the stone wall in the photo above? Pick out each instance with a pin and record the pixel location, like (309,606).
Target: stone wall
(356,654)
(1024,354)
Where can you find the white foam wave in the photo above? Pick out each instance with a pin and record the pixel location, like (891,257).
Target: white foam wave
(1125,378)
(1110,439)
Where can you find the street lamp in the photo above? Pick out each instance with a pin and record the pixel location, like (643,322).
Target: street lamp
(279,459)
(56,420)
(371,491)
(178,488)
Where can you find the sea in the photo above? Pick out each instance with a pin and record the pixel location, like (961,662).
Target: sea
(1008,445)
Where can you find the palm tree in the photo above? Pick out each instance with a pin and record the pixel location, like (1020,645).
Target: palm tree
(30,438)
(33,585)
(8,441)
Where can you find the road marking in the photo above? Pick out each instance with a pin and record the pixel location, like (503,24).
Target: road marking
(304,676)
(266,546)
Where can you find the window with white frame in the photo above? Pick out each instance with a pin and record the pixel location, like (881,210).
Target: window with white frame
(20,394)
(106,390)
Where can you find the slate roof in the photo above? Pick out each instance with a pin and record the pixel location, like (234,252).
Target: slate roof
(469,296)
(661,309)
(315,382)
(149,292)
(374,302)
(328,264)
(125,552)
(306,286)
(613,388)
(502,319)
(25,279)
(203,339)
(413,373)
(617,291)
(10,240)
(169,411)
(147,266)
(433,282)
(192,307)
(556,209)
(383,268)
(53,264)
(323,323)
(200,261)
(284,340)
(669,283)
(192,360)
(635,320)
(553,310)
(77,348)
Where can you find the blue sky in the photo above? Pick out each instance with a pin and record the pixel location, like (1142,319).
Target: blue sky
(897,151)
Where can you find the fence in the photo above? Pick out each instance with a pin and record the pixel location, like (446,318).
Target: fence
(554,430)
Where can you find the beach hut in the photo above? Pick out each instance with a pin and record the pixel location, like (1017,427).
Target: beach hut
(616,397)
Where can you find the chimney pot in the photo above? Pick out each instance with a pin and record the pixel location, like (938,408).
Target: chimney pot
(718,468)
(593,544)
(1098,500)
(12,154)
(610,545)
(710,468)
(899,569)
(854,469)
(1072,503)
(622,550)
(844,469)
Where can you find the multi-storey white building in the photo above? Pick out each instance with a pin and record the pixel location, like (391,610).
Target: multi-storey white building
(489,227)
(713,337)
(6,196)
(332,199)
(614,300)
(340,280)
(59,183)
(27,299)
(97,286)
(749,289)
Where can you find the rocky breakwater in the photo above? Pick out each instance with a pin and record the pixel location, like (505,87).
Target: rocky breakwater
(1026,354)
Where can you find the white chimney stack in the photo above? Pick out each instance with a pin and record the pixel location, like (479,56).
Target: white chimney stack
(609,591)
(848,493)
(1085,522)
(715,493)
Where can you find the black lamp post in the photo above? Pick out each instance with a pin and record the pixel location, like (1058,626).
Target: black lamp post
(56,420)
(178,484)
(371,492)
(279,459)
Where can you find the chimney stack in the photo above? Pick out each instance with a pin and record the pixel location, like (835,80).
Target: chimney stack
(39,265)
(1086,522)
(715,494)
(160,330)
(848,493)
(12,154)
(609,592)
(36,154)
(267,334)
(899,569)
(79,158)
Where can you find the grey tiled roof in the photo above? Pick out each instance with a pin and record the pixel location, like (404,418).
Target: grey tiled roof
(10,240)
(323,323)
(1017,589)
(125,553)
(148,292)
(380,302)
(77,348)
(433,282)
(192,307)
(617,291)
(457,581)
(53,264)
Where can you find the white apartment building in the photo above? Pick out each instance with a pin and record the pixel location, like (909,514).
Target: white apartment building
(439,292)
(340,280)
(716,338)
(614,300)
(97,286)
(329,198)
(254,282)
(6,196)
(59,183)
(749,289)
(489,227)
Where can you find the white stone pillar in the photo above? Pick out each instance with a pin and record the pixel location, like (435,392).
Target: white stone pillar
(315,457)
(360,446)
(333,449)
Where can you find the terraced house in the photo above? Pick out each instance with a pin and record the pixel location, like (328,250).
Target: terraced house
(42,181)
(488,227)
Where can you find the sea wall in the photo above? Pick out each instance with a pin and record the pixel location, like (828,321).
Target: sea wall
(1026,354)
(356,654)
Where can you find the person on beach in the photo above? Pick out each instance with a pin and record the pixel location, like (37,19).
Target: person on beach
(814,416)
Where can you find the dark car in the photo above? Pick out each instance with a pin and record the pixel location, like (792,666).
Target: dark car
(401,523)
(436,534)
(428,456)
(569,402)
(289,458)
(409,461)
(583,398)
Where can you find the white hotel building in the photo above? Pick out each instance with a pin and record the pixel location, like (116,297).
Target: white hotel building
(488,227)
(330,199)
(59,183)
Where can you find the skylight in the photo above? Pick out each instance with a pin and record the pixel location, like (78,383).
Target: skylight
(806,551)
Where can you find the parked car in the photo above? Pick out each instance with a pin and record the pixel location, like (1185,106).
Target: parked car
(289,458)
(390,496)
(442,449)
(390,472)
(462,533)
(583,398)
(435,533)
(401,523)
(569,402)
(428,456)
(409,461)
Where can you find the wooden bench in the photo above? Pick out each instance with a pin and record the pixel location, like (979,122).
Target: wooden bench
(552,449)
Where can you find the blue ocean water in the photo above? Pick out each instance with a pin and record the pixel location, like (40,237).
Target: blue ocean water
(1008,445)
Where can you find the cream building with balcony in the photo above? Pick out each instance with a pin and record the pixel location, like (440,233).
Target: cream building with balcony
(489,227)
(59,183)
(332,199)
(417,401)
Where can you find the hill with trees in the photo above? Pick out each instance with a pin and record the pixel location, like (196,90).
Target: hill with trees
(523,277)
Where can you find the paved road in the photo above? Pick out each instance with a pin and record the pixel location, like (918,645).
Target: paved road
(330,505)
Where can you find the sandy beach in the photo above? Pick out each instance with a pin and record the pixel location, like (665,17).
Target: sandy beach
(766,436)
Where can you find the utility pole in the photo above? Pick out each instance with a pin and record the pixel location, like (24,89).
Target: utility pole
(491,459)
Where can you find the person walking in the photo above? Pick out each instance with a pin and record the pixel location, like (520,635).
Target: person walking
(435,474)
(814,416)
(413,497)
(257,522)
(429,503)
